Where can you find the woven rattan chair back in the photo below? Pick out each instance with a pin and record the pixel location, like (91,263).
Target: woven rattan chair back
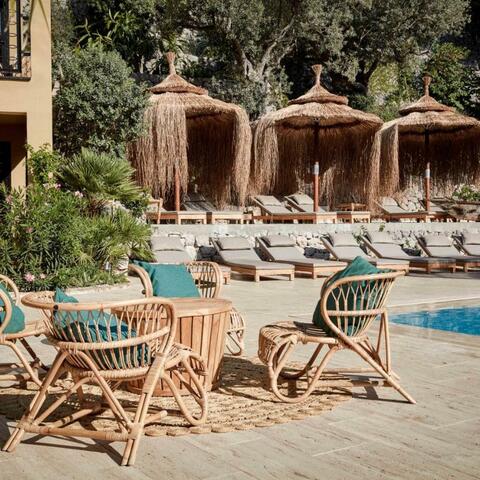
(357,302)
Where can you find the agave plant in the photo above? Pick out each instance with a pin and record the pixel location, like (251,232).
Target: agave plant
(100,178)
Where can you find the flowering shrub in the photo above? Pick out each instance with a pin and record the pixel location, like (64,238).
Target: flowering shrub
(49,238)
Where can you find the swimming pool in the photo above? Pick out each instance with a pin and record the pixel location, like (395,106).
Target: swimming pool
(459,320)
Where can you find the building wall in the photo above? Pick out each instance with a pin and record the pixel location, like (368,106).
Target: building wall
(31,98)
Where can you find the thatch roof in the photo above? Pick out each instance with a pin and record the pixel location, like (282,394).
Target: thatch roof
(318,126)
(207,140)
(453,145)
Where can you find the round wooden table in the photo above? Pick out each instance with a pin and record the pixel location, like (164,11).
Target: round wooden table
(202,326)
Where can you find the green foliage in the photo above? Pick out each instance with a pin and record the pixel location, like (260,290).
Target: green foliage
(101,178)
(98,104)
(119,236)
(42,164)
(49,237)
(468,193)
(452,78)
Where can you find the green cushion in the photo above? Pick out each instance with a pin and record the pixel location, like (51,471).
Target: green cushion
(17,321)
(98,326)
(359,266)
(169,280)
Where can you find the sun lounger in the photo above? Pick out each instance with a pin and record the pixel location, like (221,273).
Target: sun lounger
(383,246)
(171,250)
(195,202)
(345,248)
(282,249)
(304,203)
(438,212)
(272,210)
(470,243)
(442,246)
(156,213)
(237,253)
(393,212)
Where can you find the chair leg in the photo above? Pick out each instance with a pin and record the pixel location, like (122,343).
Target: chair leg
(389,378)
(30,367)
(278,362)
(197,390)
(36,404)
(235,343)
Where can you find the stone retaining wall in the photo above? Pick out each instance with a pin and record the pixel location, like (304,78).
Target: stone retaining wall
(196,238)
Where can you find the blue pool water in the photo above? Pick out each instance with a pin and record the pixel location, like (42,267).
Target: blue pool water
(459,320)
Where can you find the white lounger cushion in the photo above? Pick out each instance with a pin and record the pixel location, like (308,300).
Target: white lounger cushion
(166,243)
(279,241)
(343,240)
(234,243)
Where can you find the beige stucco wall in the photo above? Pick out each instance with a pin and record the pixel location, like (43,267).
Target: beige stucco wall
(32,98)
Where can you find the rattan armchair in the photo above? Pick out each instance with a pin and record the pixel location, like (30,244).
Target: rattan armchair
(208,278)
(25,369)
(345,330)
(105,345)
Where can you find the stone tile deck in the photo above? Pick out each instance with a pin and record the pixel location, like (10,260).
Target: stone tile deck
(368,437)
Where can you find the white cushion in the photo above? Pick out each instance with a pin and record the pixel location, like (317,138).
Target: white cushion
(471,238)
(166,243)
(343,240)
(433,240)
(268,200)
(234,243)
(380,237)
(279,241)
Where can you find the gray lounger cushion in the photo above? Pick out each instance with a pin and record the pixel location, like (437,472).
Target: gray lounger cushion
(172,256)
(302,199)
(294,256)
(380,237)
(268,200)
(471,238)
(343,240)
(234,243)
(433,240)
(249,259)
(279,241)
(166,243)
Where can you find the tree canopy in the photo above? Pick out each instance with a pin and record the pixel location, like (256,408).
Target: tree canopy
(258,52)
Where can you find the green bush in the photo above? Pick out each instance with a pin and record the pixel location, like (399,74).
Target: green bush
(50,238)
(101,178)
(98,104)
(42,164)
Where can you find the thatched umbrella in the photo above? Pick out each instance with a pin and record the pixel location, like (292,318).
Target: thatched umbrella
(428,137)
(191,136)
(318,127)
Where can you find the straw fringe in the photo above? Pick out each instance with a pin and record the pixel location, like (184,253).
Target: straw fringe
(343,140)
(207,140)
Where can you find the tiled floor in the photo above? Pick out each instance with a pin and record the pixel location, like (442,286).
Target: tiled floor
(368,437)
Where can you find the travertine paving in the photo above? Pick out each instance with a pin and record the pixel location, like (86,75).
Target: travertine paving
(369,437)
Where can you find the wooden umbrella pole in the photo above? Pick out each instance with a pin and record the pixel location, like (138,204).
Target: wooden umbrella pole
(316,169)
(316,166)
(177,190)
(427,171)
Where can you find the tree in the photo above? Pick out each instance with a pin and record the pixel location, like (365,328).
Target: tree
(98,104)
(245,42)
(378,32)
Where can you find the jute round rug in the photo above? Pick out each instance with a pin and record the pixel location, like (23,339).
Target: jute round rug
(242,402)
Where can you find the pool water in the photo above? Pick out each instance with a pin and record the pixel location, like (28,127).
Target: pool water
(459,320)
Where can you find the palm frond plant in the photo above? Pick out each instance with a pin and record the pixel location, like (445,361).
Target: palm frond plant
(101,178)
(116,237)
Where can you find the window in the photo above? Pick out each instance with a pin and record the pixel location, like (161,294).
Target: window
(14,39)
